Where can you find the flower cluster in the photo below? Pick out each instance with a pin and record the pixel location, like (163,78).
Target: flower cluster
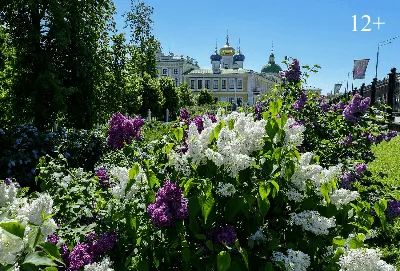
(86,253)
(294,260)
(346,141)
(393,208)
(234,144)
(123,130)
(299,104)
(122,176)
(294,132)
(101,173)
(293,73)
(312,221)
(224,234)
(184,115)
(104,265)
(347,180)
(363,259)
(258,110)
(8,192)
(360,169)
(342,197)
(355,107)
(225,189)
(169,206)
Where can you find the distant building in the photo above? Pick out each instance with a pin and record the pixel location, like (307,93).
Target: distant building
(317,90)
(271,67)
(174,66)
(228,80)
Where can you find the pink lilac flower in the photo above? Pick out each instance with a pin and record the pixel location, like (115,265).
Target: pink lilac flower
(52,238)
(8,181)
(360,169)
(225,234)
(347,180)
(184,116)
(169,206)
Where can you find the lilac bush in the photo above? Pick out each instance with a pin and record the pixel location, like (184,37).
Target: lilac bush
(123,130)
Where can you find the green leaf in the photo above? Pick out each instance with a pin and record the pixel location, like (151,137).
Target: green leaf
(380,208)
(14,228)
(264,190)
(143,265)
(38,259)
(206,204)
(244,254)
(231,124)
(325,188)
(223,261)
(134,171)
(168,147)
(51,250)
(269,267)
(186,255)
(338,241)
(151,176)
(34,235)
(178,133)
(357,241)
(263,205)
(50,268)
(275,186)
(217,129)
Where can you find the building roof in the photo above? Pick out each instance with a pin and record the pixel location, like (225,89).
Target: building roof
(223,71)
(271,68)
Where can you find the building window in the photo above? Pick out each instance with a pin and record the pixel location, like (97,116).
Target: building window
(215,84)
(207,84)
(231,83)
(199,84)
(192,84)
(175,71)
(223,84)
(176,82)
(223,98)
(165,71)
(240,84)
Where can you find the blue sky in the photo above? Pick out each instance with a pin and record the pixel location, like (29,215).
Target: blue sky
(313,31)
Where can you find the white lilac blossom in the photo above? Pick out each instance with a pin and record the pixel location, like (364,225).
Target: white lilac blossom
(234,146)
(104,265)
(122,176)
(8,194)
(342,197)
(225,189)
(258,236)
(294,132)
(10,246)
(33,210)
(312,221)
(293,261)
(295,195)
(363,259)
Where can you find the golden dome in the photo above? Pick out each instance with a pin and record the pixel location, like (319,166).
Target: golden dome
(227,50)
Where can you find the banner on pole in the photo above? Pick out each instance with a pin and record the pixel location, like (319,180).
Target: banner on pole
(360,67)
(337,88)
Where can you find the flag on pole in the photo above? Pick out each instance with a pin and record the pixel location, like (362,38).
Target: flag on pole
(360,66)
(337,88)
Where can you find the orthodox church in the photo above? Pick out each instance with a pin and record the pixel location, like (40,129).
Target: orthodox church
(228,80)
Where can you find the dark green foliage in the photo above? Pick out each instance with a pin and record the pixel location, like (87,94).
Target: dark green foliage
(205,97)
(152,97)
(186,96)
(171,96)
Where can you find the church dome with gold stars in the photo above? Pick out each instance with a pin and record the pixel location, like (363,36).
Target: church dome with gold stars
(227,50)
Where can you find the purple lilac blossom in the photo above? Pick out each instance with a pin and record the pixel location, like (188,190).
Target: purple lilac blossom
(347,141)
(184,116)
(356,105)
(169,206)
(393,208)
(103,176)
(299,104)
(347,180)
(372,138)
(91,236)
(364,104)
(225,234)
(324,107)
(258,110)
(293,73)
(123,130)
(105,243)
(8,181)
(80,256)
(360,169)
(52,238)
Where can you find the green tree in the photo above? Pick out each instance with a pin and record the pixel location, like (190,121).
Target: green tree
(186,96)
(205,97)
(143,45)
(171,95)
(152,96)
(6,70)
